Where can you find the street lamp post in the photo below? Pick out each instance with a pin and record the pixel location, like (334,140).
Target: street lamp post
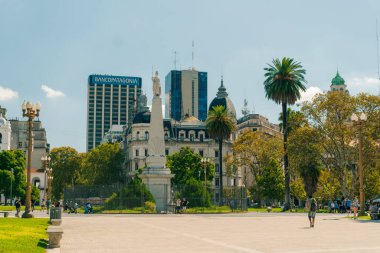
(204,162)
(46,162)
(50,178)
(11,185)
(358,120)
(30,111)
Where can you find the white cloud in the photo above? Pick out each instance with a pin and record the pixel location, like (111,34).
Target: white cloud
(51,93)
(309,94)
(7,94)
(364,81)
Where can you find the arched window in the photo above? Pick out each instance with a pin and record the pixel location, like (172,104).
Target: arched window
(137,135)
(146,135)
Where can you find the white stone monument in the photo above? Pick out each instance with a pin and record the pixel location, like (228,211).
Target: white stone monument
(156,176)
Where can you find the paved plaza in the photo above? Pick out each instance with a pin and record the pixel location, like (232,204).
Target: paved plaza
(249,232)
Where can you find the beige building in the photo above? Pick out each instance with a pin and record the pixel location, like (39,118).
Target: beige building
(20,139)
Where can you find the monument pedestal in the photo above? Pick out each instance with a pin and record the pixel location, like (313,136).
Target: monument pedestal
(158,183)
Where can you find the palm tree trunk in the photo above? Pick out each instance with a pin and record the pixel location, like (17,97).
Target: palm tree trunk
(220,172)
(286,161)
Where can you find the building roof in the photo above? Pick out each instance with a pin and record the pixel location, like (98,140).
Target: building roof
(191,121)
(337,80)
(223,99)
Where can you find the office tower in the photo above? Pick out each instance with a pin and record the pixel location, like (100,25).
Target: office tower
(186,93)
(111,100)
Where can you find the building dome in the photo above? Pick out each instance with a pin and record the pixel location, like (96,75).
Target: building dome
(337,80)
(223,99)
(142,117)
(191,121)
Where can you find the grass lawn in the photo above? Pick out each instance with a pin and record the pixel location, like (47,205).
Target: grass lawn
(211,209)
(23,235)
(13,208)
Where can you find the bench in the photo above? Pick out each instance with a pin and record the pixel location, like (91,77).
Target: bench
(6,213)
(55,235)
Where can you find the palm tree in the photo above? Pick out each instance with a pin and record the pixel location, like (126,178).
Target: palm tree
(220,125)
(283,83)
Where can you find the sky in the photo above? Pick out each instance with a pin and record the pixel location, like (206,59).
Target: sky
(49,48)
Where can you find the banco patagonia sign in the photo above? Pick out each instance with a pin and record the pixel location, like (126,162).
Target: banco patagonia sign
(116,80)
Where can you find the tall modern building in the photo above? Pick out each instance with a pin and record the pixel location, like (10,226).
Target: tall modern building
(186,94)
(111,100)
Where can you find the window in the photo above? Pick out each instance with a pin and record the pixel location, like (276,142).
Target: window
(166,151)
(216,181)
(1,138)
(146,135)
(20,144)
(201,137)
(146,152)
(137,152)
(191,137)
(216,153)
(217,167)
(137,135)
(182,137)
(136,166)
(201,153)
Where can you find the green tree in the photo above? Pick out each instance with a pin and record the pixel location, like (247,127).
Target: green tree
(297,189)
(283,82)
(220,125)
(12,159)
(195,193)
(271,182)
(305,155)
(295,119)
(186,165)
(35,194)
(65,163)
(328,187)
(252,161)
(104,165)
(134,194)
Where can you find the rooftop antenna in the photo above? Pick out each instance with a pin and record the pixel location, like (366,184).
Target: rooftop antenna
(245,111)
(192,56)
(377,47)
(175,60)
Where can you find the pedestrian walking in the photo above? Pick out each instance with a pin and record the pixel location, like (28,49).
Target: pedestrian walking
(47,206)
(355,205)
(18,208)
(311,206)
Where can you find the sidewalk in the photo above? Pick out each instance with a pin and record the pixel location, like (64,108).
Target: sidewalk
(280,233)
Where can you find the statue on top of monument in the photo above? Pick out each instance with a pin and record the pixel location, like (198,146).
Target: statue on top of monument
(156,85)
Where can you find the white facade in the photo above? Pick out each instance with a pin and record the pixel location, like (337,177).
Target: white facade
(5,133)
(190,133)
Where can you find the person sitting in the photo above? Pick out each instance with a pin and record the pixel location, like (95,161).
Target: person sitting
(184,204)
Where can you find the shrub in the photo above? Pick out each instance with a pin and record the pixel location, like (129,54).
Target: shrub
(196,194)
(150,207)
